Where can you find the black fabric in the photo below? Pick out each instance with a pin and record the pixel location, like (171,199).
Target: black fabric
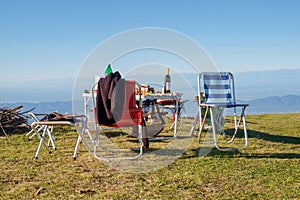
(110,99)
(55,116)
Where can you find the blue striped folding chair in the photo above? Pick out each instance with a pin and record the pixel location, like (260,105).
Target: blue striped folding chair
(219,91)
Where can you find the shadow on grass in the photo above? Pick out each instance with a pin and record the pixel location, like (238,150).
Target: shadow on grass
(236,154)
(252,134)
(267,137)
(273,155)
(231,154)
(112,134)
(274,138)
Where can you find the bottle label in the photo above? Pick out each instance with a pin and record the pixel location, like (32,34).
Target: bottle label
(167,85)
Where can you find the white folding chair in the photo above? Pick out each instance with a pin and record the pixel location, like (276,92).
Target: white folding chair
(46,127)
(219,91)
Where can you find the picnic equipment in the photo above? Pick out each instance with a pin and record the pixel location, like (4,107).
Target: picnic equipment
(219,93)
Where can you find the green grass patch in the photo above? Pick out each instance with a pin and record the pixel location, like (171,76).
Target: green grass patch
(267,169)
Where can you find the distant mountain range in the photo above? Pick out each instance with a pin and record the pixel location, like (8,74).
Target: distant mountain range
(273,104)
(261,84)
(43,107)
(249,85)
(272,91)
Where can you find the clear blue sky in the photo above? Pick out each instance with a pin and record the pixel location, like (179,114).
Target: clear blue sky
(42,39)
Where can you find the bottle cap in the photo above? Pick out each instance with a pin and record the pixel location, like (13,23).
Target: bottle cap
(167,70)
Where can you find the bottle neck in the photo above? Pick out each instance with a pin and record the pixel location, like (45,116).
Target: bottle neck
(167,71)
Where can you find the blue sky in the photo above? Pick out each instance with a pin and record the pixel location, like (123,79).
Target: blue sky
(42,39)
(50,39)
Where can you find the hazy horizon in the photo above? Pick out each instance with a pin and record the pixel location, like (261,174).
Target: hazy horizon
(249,85)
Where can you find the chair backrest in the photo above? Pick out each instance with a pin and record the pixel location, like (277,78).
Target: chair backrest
(131,113)
(130,96)
(218,87)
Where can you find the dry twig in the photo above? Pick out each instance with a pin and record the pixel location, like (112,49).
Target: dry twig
(13,121)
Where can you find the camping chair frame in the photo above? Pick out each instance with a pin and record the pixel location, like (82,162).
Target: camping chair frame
(219,91)
(47,128)
(39,128)
(99,129)
(181,110)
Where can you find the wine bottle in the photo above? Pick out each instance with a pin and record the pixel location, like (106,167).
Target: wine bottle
(167,86)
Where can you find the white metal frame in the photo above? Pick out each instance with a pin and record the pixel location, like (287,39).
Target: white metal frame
(37,126)
(97,140)
(169,96)
(209,109)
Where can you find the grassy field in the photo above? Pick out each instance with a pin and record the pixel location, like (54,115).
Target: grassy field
(268,169)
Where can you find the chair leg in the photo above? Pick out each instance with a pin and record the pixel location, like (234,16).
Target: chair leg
(51,137)
(29,133)
(141,137)
(32,133)
(39,129)
(184,110)
(202,122)
(245,133)
(30,137)
(145,139)
(236,128)
(194,124)
(42,142)
(77,147)
(215,135)
(237,124)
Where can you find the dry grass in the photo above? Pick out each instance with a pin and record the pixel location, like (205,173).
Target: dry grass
(267,169)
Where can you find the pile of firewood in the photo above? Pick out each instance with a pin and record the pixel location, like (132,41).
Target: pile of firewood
(13,121)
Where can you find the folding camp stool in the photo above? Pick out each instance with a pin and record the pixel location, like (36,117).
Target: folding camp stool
(44,126)
(40,128)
